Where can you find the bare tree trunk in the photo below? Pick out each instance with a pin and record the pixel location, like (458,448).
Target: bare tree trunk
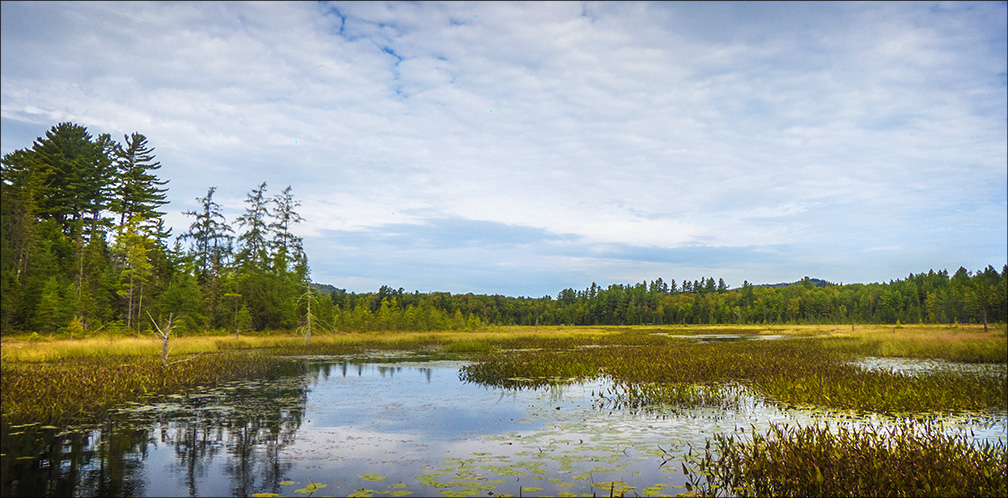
(166,335)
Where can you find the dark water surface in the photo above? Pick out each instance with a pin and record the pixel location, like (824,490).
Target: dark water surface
(382,429)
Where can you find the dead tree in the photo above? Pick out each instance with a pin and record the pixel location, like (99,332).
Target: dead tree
(165,335)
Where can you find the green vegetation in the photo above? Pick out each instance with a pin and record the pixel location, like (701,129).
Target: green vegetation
(934,297)
(650,369)
(85,249)
(82,389)
(905,459)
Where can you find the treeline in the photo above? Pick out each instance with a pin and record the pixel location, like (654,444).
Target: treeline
(85,248)
(932,297)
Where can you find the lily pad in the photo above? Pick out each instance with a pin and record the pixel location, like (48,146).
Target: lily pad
(311,488)
(373,477)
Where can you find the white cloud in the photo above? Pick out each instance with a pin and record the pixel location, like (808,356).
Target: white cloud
(649,124)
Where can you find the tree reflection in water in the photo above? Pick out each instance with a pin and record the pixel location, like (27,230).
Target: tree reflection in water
(245,424)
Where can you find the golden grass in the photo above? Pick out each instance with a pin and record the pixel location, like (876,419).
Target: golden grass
(933,341)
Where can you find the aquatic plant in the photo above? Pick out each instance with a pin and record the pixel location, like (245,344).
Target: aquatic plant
(902,459)
(82,389)
(793,372)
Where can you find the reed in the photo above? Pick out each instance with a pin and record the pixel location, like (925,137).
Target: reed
(903,459)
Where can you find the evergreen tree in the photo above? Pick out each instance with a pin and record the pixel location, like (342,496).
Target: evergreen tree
(138,191)
(20,190)
(77,175)
(134,243)
(284,217)
(209,236)
(252,242)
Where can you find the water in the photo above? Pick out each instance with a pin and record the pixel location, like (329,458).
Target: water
(359,427)
(920,366)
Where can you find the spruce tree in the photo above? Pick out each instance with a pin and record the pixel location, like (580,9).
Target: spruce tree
(252,242)
(209,234)
(285,243)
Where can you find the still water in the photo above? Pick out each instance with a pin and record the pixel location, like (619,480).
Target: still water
(352,427)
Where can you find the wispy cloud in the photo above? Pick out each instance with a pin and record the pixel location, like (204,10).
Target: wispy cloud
(556,142)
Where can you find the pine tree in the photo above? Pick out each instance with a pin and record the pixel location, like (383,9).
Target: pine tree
(77,173)
(138,191)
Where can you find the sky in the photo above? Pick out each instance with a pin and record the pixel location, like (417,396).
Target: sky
(524,148)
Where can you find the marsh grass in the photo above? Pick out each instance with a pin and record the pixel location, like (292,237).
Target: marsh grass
(82,389)
(903,459)
(967,344)
(798,372)
(52,380)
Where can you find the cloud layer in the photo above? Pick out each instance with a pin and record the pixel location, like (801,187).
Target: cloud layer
(521,148)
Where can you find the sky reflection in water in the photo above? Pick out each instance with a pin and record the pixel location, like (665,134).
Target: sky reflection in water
(415,425)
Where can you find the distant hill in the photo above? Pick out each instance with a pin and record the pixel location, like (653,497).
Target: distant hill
(325,288)
(816,282)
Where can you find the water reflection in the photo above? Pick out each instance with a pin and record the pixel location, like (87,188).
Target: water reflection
(237,430)
(417,427)
(229,440)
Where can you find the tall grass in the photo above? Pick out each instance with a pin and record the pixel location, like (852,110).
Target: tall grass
(968,344)
(905,459)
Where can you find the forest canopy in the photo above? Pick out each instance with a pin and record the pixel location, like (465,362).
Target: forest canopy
(85,248)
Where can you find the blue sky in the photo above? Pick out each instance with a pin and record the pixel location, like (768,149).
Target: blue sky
(522,148)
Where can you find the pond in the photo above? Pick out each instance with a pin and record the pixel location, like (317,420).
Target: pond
(339,426)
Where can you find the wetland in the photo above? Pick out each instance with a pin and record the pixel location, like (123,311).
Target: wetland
(557,412)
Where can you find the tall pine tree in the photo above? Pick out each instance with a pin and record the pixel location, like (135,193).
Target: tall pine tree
(138,190)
